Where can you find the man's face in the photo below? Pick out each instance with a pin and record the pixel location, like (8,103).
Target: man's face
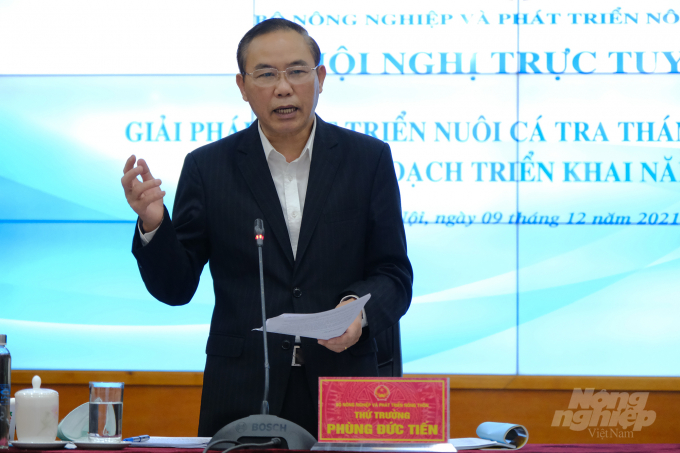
(283,110)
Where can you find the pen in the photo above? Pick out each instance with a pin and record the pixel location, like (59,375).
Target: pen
(143,438)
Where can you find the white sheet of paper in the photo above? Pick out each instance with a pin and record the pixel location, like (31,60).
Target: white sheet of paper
(322,326)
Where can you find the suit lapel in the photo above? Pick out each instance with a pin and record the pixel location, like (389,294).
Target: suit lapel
(325,163)
(255,170)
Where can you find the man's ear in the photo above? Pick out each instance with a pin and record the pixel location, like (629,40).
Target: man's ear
(240,82)
(321,74)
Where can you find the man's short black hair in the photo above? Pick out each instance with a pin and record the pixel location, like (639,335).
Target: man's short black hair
(269,26)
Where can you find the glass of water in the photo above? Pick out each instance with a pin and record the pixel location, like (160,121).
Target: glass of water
(106,412)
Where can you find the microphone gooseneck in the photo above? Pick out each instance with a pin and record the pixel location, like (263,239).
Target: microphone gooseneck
(259,239)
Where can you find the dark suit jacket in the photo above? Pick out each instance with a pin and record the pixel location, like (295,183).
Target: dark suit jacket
(352,241)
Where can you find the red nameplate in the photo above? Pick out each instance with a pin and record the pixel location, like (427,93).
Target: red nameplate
(384,410)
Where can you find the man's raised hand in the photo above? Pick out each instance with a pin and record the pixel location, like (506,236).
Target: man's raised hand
(145,197)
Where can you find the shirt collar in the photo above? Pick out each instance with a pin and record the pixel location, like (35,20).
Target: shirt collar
(268,146)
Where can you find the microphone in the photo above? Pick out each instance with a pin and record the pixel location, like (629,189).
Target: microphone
(263,428)
(259,234)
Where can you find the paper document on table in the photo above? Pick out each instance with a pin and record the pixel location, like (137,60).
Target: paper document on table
(493,435)
(322,326)
(173,442)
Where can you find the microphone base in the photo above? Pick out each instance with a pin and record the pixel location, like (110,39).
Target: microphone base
(263,428)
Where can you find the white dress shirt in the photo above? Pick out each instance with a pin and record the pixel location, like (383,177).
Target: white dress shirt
(290,180)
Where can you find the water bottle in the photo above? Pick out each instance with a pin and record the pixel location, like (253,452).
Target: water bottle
(5,393)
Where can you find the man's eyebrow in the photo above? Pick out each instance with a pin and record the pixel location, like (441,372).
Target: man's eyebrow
(298,63)
(293,63)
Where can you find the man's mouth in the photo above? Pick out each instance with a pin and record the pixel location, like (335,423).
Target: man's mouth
(285,110)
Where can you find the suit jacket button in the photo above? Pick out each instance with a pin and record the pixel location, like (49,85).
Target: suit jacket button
(285,345)
(297,292)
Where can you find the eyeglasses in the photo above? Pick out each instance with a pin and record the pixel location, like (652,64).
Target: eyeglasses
(268,77)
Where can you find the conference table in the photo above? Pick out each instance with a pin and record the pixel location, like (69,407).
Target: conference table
(529,448)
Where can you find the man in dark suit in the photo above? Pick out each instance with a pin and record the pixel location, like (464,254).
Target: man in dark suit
(331,208)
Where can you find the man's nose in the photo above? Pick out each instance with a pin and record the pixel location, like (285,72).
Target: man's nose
(283,86)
